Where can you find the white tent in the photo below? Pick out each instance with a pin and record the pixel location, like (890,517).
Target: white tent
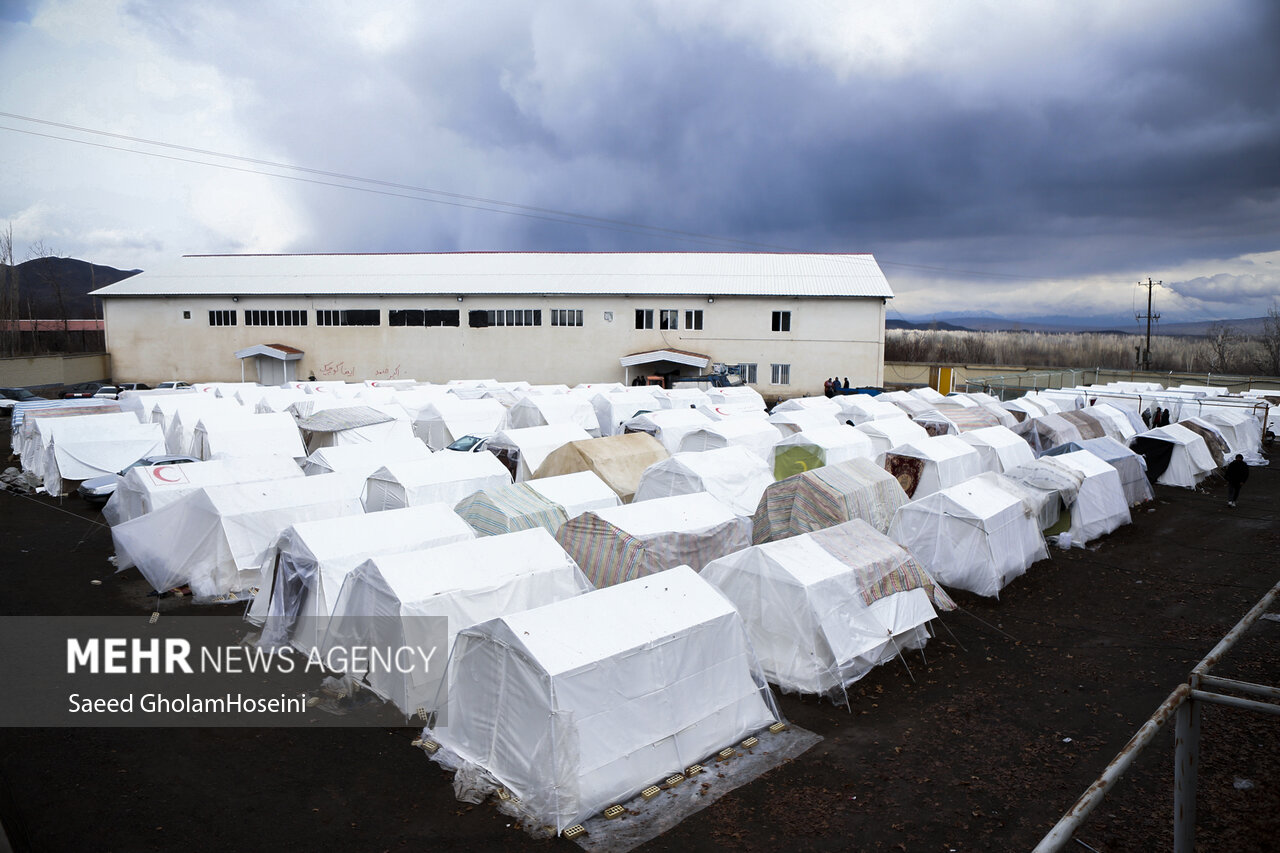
(523,450)
(684,398)
(999,448)
(824,608)
(43,429)
(586,702)
(277,399)
(814,448)
(355,424)
(733,475)
(93,446)
(828,405)
(445,420)
(735,398)
(1175,455)
(930,464)
(755,434)
(579,492)
(974,536)
(791,421)
(304,571)
(145,489)
(364,459)
(1115,421)
(247,435)
(625,542)
(825,497)
(887,433)
(1242,432)
(669,426)
(614,407)
(441,478)
(857,409)
(553,409)
(1100,506)
(178,415)
(216,537)
(1131,467)
(393,600)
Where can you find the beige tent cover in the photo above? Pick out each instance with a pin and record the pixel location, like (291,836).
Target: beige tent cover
(619,460)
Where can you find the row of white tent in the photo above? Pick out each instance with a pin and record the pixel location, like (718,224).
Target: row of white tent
(639,638)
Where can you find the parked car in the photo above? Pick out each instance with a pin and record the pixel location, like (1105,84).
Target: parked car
(470,443)
(9,396)
(134,386)
(82,390)
(108,392)
(98,490)
(169,386)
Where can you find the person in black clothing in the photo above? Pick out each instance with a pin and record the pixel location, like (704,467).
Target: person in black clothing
(846,383)
(1236,473)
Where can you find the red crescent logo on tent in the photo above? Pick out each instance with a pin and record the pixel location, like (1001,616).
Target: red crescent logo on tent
(720,411)
(157,474)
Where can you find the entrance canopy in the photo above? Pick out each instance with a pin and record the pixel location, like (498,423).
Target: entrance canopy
(642,361)
(274,362)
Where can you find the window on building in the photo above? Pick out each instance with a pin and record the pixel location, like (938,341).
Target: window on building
(566,317)
(780,374)
(505,317)
(693,320)
(350,317)
(186,315)
(423,317)
(782,321)
(669,319)
(644,318)
(748,373)
(255,317)
(222,318)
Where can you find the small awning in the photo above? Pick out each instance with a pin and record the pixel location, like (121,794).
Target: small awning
(280,351)
(692,359)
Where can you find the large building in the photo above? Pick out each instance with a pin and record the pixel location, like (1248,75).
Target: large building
(787,321)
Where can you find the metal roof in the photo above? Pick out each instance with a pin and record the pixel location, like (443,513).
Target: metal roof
(472,273)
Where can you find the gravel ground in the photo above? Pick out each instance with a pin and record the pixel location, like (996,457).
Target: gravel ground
(1015,707)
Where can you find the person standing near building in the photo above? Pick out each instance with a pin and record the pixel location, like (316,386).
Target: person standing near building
(1236,473)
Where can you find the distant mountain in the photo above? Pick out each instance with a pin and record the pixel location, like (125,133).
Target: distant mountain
(41,279)
(987,322)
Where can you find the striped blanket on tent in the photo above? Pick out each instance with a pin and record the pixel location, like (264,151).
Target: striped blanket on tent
(491,512)
(880,566)
(825,497)
(970,418)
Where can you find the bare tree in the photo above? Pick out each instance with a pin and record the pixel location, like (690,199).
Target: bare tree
(10,336)
(1221,343)
(1269,363)
(50,276)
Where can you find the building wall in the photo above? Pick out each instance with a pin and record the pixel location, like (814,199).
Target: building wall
(151,340)
(51,372)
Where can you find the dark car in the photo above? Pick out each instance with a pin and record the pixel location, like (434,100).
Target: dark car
(98,490)
(9,396)
(82,391)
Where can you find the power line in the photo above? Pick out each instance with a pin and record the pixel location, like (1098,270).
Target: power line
(436,196)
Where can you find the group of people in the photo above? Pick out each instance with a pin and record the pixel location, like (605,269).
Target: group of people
(1155,417)
(833,386)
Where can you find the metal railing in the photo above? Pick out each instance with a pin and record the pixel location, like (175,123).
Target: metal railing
(1183,704)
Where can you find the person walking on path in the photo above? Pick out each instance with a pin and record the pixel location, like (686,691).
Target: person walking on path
(1236,473)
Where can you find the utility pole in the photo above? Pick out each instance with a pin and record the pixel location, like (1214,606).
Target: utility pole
(1146,355)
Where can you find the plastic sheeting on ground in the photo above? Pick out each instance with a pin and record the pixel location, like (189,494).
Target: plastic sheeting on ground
(389,599)
(974,536)
(824,608)
(619,460)
(445,477)
(733,475)
(305,569)
(627,542)
(216,537)
(584,703)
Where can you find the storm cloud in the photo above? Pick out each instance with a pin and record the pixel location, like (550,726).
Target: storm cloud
(1018,158)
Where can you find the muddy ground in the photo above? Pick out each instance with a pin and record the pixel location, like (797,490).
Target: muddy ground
(1016,706)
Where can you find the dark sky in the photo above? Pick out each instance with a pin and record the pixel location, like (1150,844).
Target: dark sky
(1021,159)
